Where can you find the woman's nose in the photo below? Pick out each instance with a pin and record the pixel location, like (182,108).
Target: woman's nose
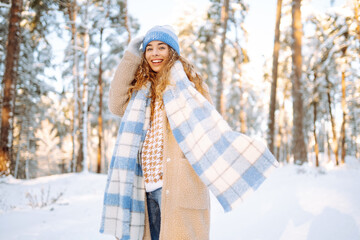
(156,52)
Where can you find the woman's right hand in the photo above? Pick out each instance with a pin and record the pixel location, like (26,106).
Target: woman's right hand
(134,45)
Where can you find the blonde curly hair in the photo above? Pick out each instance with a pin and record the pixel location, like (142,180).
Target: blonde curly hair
(160,80)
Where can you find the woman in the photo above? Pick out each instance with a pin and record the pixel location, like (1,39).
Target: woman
(173,145)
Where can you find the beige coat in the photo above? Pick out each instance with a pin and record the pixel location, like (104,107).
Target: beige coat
(185,202)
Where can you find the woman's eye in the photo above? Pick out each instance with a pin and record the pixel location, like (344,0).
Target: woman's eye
(162,48)
(149,49)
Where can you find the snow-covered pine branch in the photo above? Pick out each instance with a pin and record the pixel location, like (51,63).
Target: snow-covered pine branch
(5,5)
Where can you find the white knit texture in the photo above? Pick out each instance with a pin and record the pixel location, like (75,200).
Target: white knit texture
(152,152)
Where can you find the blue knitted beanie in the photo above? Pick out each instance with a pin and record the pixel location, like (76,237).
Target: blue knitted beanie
(164,34)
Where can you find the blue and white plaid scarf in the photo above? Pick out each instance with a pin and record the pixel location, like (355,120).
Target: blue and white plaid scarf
(230,164)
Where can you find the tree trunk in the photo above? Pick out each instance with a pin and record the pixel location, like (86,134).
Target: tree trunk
(241,57)
(242,114)
(85,89)
(220,101)
(315,102)
(356,13)
(298,146)
(332,120)
(126,19)
(17,160)
(356,135)
(271,123)
(72,11)
(343,106)
(329,147)
(242,100)
(100,120)
(280,140)
(315,137)
(27,150)
(80,155)
(9,81)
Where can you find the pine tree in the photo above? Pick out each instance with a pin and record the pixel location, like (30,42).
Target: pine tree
(331,47)
(108,28)
(35,57)
(199,40)
(10,79)
(220,101)
(48,152)
(271,122)
(298,148)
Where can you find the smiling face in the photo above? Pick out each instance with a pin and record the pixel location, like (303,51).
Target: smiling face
(157,55)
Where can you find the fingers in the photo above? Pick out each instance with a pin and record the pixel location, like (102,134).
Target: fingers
(137,40)
(134,45)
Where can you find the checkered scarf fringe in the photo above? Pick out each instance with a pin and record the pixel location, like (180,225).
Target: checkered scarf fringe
(231,164)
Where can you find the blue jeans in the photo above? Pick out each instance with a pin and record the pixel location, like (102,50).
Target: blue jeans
(153,200)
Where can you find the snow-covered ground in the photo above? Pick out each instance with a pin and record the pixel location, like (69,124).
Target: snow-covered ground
(295,203)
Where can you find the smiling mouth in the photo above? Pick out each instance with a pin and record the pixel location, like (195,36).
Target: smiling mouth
(157,61)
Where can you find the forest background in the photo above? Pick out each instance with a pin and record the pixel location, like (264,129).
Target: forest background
(58,58)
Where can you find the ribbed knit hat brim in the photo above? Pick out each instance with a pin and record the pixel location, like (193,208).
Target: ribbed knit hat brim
(164,34)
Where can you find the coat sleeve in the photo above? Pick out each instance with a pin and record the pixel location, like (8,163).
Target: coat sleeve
(119,86)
